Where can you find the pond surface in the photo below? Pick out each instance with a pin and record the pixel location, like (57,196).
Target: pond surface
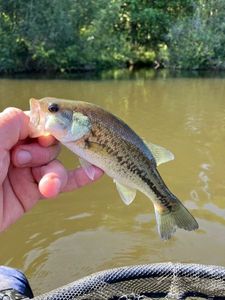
(91,229)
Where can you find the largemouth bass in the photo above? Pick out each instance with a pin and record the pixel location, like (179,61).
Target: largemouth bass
(100,138)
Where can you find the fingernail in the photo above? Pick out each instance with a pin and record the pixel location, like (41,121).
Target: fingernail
(49,187)
(24,157)
(57,185)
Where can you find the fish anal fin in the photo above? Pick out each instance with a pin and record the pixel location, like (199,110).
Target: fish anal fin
(87,167)
(127,194)
(160,154)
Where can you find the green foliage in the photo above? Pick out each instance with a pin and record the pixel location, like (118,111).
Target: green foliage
(198,41)
(146,24)
(13,50)
(75,35)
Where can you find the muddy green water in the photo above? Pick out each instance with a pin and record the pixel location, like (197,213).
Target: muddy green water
(91,229)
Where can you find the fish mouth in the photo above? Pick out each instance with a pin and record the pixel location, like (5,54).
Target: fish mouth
(36,123)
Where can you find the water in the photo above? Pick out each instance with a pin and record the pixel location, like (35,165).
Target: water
(90,229)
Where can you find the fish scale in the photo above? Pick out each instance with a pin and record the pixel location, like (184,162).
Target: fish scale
(124,157)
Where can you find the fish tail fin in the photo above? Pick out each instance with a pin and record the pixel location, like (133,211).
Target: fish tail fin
(178,217)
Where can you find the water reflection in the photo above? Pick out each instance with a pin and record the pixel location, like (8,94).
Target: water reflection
(91,229)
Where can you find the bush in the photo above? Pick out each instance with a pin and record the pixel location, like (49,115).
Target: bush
(70,36)
(198,42)
(13,51)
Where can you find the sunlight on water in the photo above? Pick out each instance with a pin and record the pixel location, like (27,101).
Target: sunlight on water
(91,229)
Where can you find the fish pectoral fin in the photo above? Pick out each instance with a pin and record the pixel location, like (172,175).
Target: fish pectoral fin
(160,154)
(87,167)
(81,125)
(127,194)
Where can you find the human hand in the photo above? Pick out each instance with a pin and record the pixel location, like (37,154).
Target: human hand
(29,170)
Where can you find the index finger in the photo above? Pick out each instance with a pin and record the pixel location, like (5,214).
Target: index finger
(78,178)
(13,127)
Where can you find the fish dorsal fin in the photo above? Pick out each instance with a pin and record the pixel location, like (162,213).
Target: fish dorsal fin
(127,194)
(87,167)
(160,154)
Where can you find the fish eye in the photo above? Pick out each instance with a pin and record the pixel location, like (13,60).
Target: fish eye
(53,108)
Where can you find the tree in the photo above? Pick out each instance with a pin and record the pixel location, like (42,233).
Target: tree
(198,42)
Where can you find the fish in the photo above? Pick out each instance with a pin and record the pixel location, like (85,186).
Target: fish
(102,139)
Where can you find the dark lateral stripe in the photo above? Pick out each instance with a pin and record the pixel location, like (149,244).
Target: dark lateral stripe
(164,201)
(133,168)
